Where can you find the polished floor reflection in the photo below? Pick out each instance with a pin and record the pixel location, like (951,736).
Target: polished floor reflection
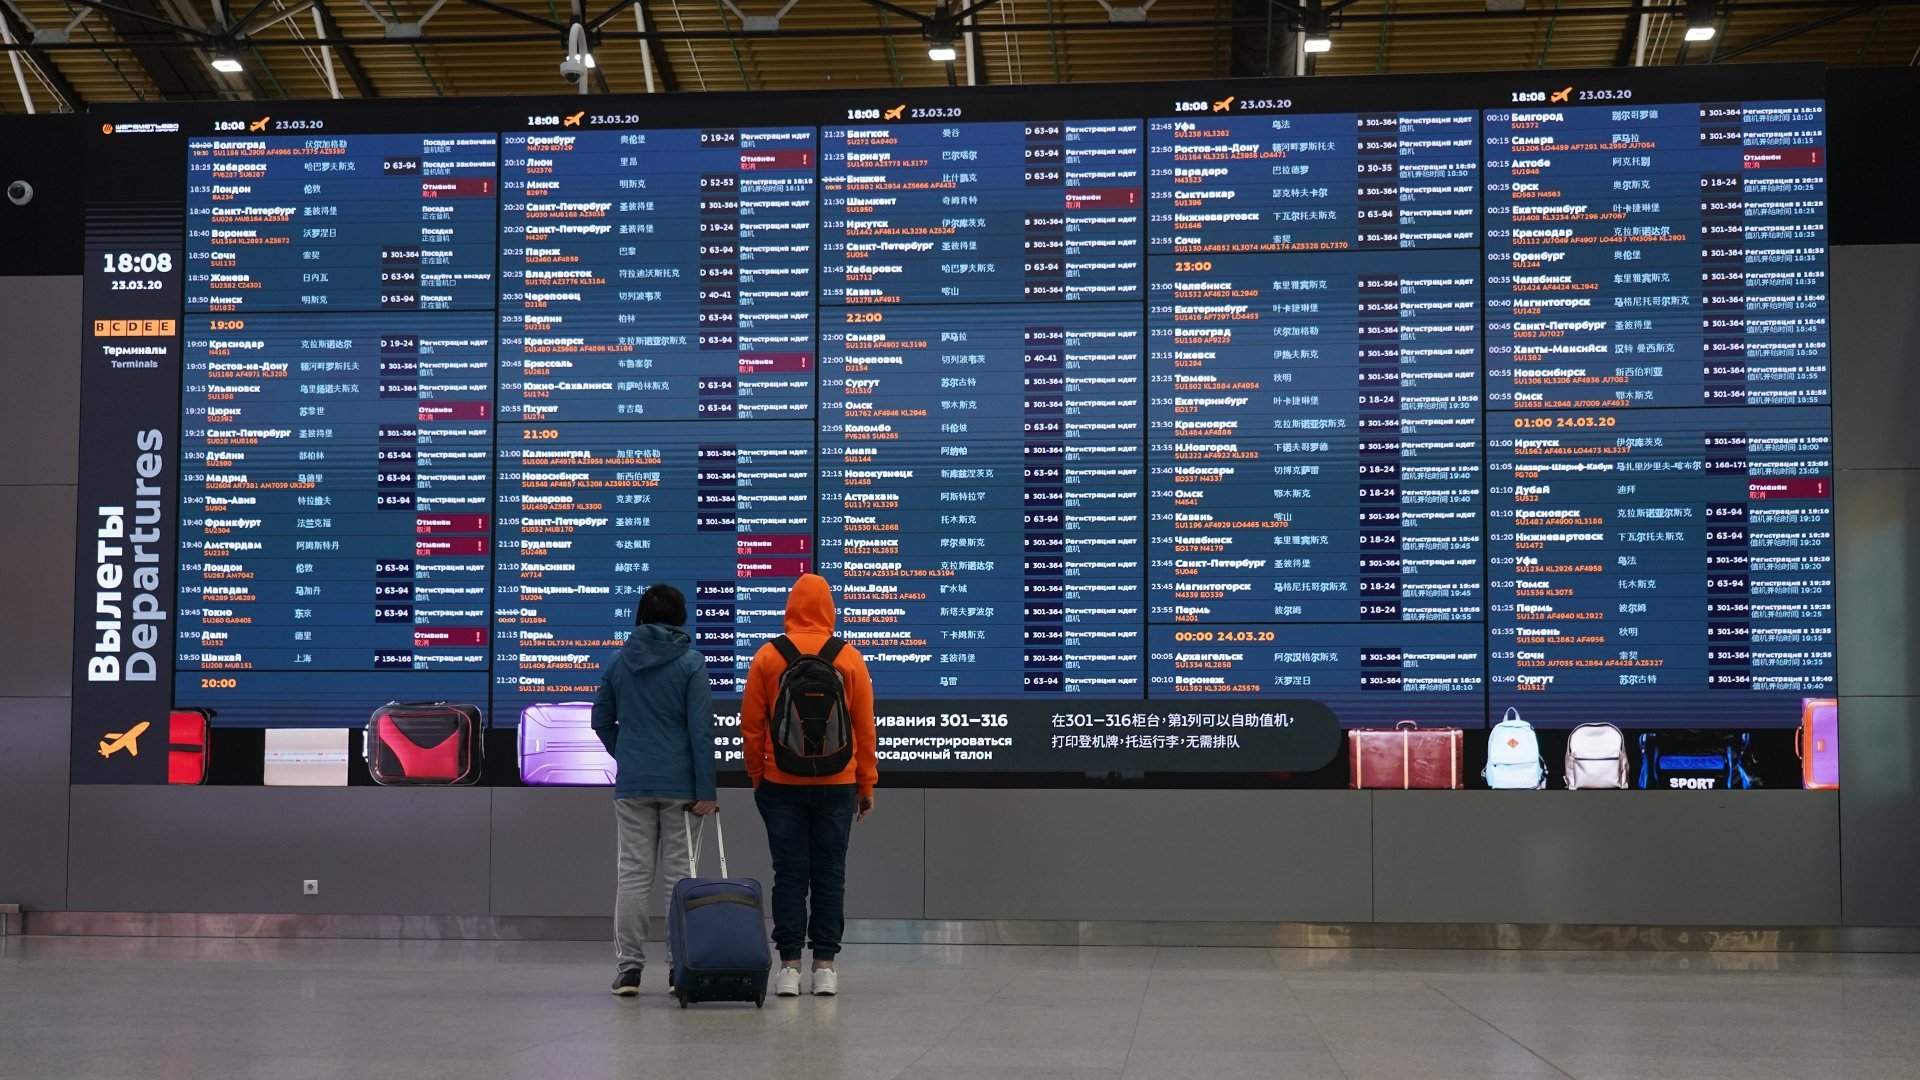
(120,1007)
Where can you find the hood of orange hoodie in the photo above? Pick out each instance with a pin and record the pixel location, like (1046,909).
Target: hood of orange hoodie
(810,606)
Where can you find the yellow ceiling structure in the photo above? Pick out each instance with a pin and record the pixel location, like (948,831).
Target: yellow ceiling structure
(122,50)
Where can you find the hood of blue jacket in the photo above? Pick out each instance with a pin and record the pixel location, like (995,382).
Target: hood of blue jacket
(654,645)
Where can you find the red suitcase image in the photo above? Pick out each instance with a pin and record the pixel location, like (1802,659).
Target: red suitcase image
(187,731)
(429,742)
(1406,756)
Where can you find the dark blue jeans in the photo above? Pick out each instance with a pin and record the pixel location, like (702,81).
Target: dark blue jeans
(808,829)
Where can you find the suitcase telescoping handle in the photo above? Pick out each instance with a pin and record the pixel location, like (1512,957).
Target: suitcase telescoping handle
(695,840)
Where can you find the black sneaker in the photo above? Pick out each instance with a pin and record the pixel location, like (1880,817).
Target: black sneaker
(627,983)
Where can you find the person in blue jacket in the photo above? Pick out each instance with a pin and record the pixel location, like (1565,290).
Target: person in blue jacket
(654,712)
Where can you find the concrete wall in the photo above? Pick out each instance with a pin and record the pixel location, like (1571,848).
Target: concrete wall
(1761,858)
(1876,337)
(39,463)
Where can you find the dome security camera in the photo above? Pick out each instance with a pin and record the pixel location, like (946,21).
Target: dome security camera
(578,61)
(19,193)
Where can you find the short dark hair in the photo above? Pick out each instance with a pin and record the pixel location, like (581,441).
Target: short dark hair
(661,604)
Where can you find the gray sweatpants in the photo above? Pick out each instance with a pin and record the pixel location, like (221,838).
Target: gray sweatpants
(644,827)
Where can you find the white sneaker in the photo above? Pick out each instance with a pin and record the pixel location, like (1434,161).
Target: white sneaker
(787,983)
(826,982)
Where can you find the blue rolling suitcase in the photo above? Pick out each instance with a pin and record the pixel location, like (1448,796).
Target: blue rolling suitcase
(717,930)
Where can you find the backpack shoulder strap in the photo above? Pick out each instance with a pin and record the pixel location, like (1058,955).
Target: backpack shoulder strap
(787,649)
(831,650)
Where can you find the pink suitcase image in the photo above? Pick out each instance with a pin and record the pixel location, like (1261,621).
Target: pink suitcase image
(559,749)
(1818,744)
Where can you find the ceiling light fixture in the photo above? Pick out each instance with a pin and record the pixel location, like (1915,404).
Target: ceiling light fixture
(228,63)
(1700,20)
(942,35)
(1314,25)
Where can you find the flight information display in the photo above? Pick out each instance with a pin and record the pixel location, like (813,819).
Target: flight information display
(950,212)
(981,491)
(386,223)
(658,275)
(1231,184)
(1657,255)
(334,493)
(591,514)
(1643,550)
(1163,428)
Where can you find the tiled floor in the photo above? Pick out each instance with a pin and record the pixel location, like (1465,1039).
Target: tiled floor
(105,1007)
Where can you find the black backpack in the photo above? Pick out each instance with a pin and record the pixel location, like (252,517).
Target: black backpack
(812,733)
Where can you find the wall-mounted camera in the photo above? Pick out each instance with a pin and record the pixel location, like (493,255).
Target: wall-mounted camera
(19,193)
(579,58)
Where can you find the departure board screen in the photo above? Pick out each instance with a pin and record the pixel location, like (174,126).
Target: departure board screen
(1149,429)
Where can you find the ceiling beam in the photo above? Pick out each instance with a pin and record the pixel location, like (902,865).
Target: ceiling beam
(226,32)
(662,67)
(515,13)
(57,79)
(1263,37)
(1794,31)
(1623,55)
(349,59)
(184,38)
(155,40)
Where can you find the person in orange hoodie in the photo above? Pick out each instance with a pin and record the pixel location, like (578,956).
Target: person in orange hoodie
(811,780)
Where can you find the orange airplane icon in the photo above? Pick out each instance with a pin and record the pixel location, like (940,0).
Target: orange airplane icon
(259,125)
(129,741)
(574,120)
(1560,96)
(896,112)
(1223,104)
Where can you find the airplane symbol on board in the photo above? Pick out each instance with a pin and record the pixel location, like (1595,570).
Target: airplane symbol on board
(129,741)
(896,112)
(1223,104)
(1560,96)
(258,125)
(574,120)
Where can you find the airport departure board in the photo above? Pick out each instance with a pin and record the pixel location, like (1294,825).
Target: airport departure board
(1147,428)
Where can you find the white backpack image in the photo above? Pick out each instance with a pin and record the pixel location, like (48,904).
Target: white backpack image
(1513,756)
(1596,757)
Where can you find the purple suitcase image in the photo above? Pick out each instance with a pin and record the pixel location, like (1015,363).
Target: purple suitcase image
(559,749)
